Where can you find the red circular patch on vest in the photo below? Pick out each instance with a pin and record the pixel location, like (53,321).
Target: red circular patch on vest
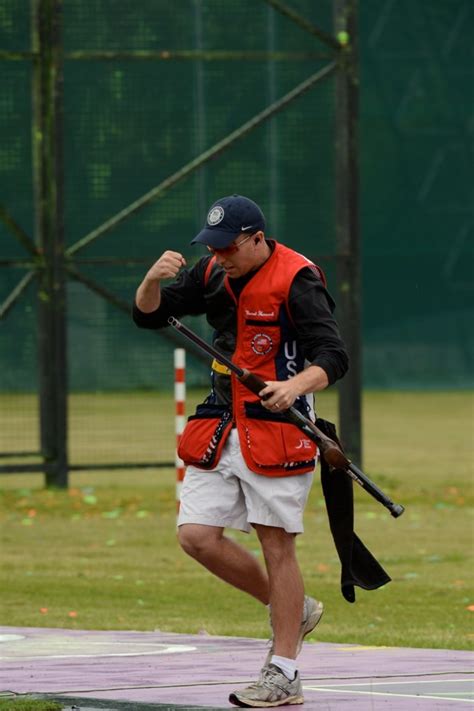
(261,344)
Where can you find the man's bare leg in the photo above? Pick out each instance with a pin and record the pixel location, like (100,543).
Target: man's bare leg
(286,587)
(225,558)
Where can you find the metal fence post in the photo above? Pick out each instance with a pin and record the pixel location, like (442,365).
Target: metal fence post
(347,224)
(48,181)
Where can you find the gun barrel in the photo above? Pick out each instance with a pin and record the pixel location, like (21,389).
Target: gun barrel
(204,346)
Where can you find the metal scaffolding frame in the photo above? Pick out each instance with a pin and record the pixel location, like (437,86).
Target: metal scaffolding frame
(51,264)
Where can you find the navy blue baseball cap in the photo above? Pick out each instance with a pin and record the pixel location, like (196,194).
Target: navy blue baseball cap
(228,218)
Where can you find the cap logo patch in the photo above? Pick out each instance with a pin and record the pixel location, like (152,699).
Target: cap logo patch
(261,344)
(216,215)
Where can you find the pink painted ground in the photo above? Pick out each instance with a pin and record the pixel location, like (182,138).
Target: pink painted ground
(159,668)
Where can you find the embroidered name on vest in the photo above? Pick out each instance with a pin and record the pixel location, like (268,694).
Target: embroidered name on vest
(260,314)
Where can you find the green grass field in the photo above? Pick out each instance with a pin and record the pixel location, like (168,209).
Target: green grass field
(103,555)
(27,704)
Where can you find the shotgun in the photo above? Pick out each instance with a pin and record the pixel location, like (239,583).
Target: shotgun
(329,449)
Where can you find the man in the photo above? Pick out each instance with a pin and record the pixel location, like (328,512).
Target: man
(248,466)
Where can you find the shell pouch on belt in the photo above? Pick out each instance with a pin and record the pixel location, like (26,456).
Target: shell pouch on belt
(204,436)
(272,441)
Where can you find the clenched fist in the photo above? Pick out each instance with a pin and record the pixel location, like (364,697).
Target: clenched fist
(167,266)
(148,296)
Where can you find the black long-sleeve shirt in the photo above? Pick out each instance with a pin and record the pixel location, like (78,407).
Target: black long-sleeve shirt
(310,305)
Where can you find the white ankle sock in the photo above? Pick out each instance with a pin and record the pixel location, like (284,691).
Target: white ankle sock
(288,666)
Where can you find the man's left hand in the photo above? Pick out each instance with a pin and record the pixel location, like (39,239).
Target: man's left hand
(279,395)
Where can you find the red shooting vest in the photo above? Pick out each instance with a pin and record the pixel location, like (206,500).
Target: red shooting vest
(267,346)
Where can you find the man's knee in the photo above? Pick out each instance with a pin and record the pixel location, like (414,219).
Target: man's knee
(198,541)
(277,544)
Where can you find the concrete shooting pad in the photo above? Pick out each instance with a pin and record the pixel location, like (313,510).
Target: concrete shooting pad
(125,671)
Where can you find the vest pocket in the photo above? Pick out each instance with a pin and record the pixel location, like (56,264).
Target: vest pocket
(261,341)
(272,441)
(204,436)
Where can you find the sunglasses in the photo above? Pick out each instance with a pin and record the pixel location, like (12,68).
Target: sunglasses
(231,249)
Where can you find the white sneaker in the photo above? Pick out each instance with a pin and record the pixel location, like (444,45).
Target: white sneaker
(272,689)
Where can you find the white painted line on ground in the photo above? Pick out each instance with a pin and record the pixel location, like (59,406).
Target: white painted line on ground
(421,697)
(412,681)
(172,649)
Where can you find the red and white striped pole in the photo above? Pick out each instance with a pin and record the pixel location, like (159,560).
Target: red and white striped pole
(180,402)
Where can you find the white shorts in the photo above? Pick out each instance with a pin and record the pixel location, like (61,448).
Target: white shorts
(232,496)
